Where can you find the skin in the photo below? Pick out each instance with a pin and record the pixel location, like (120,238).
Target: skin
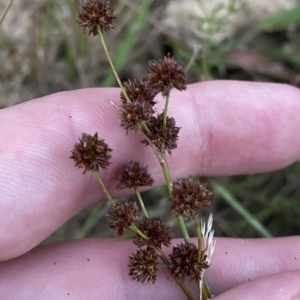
(228,127)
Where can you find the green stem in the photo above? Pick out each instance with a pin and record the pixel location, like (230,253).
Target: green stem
(112,64)
(111,200)
(183,229)
(138,194)
(165,113)
(178,280)
(206,293)
(102,40)
(167,174)
(145,128)
(184,289)
(163,266)
(168,179)
(135,229)
(199,235)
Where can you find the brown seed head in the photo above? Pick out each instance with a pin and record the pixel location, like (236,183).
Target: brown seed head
(143,265)
(90,153)
(134,175)
(163,75)
(183,262)
(94,13)
(157,232)
(163,141)
(138,90)
(133,113)
(189,195)
(122,215)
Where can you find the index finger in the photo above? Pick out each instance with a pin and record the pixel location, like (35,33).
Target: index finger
(227,128)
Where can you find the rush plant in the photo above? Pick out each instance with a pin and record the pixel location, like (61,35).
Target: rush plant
(186,261)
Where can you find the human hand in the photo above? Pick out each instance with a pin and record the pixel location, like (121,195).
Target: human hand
(227,128)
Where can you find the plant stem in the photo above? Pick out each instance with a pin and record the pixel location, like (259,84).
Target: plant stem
(134,228)
(177,279)
(111,200)
(199,235)
(102,40)
(168,179)
(183,229)
(138,194)
(165,168)
(184,289)
(165,113)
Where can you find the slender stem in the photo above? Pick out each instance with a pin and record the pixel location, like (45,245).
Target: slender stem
(199,235)
(6,11)
(167,174)
(102,40)
(177,279)
(145,128)
(135,229)
(161,265)
(206,293)
(183,229)
(111,200)
(138,194)
(165,113)
(184,289)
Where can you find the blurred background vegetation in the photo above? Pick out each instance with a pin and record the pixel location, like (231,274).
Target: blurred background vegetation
(43,51)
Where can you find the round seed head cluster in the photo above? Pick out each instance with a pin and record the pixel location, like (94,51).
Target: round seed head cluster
(143,265)
(134,175)
(121,216)
(95,13)
(138,90)
(163,75)
(158,233)
(134,113)
(184,262)
(188,195)
(90,153)
(163,140)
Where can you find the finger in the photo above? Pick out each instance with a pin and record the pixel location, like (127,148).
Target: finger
(281,286)
(98,268)
(227,128)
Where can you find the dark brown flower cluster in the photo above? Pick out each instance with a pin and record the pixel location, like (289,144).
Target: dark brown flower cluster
(184,262)
(141,107)
(158,233)
(132,114)
(90,153)
(134,175)
(138,90)
(162,140)
(188,195)
(95,13)
(121,216)
(163,75)
(143,265)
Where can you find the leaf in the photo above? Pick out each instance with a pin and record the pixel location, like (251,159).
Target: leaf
(282,20)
